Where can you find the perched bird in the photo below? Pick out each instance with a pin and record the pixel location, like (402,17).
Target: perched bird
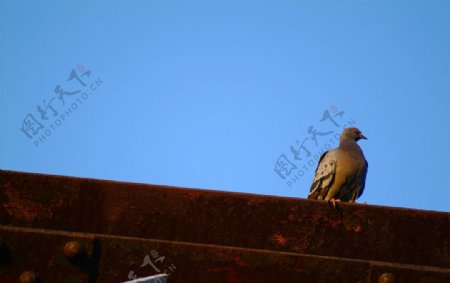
(341,172)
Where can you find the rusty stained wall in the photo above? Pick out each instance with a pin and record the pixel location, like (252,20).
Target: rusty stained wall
(224,237)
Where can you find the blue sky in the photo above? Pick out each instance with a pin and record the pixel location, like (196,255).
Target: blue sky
(209,94)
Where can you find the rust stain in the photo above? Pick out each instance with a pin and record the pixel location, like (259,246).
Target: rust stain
(116,208)
(193,195)
(280,239)
(355,228)
(255,201)
(298,249)
(7,184)
(291,217)
(238,260)
(294,208)
(335,224)
(233,277)
(26,209)
(114,213)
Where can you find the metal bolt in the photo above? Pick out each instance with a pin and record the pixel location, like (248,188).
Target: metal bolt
(387,278)
(28,277)
(76,254)
(74,251)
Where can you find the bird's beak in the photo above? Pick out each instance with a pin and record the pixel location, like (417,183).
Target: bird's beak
(361,136)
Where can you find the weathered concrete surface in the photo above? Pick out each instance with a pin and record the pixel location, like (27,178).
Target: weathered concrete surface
(209,231)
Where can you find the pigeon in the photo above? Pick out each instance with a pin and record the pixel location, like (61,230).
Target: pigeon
(341,172)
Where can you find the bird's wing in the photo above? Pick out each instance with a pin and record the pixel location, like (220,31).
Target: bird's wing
(363,181)
(324,176)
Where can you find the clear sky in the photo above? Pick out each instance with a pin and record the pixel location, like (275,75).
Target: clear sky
(211,94)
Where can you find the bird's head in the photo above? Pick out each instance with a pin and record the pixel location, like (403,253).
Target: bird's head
(353,133)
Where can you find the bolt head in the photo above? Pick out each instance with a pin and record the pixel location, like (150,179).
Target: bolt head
(28,277)
(387,278)
(74,251)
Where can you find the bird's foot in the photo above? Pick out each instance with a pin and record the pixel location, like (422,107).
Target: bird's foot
(333,202)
